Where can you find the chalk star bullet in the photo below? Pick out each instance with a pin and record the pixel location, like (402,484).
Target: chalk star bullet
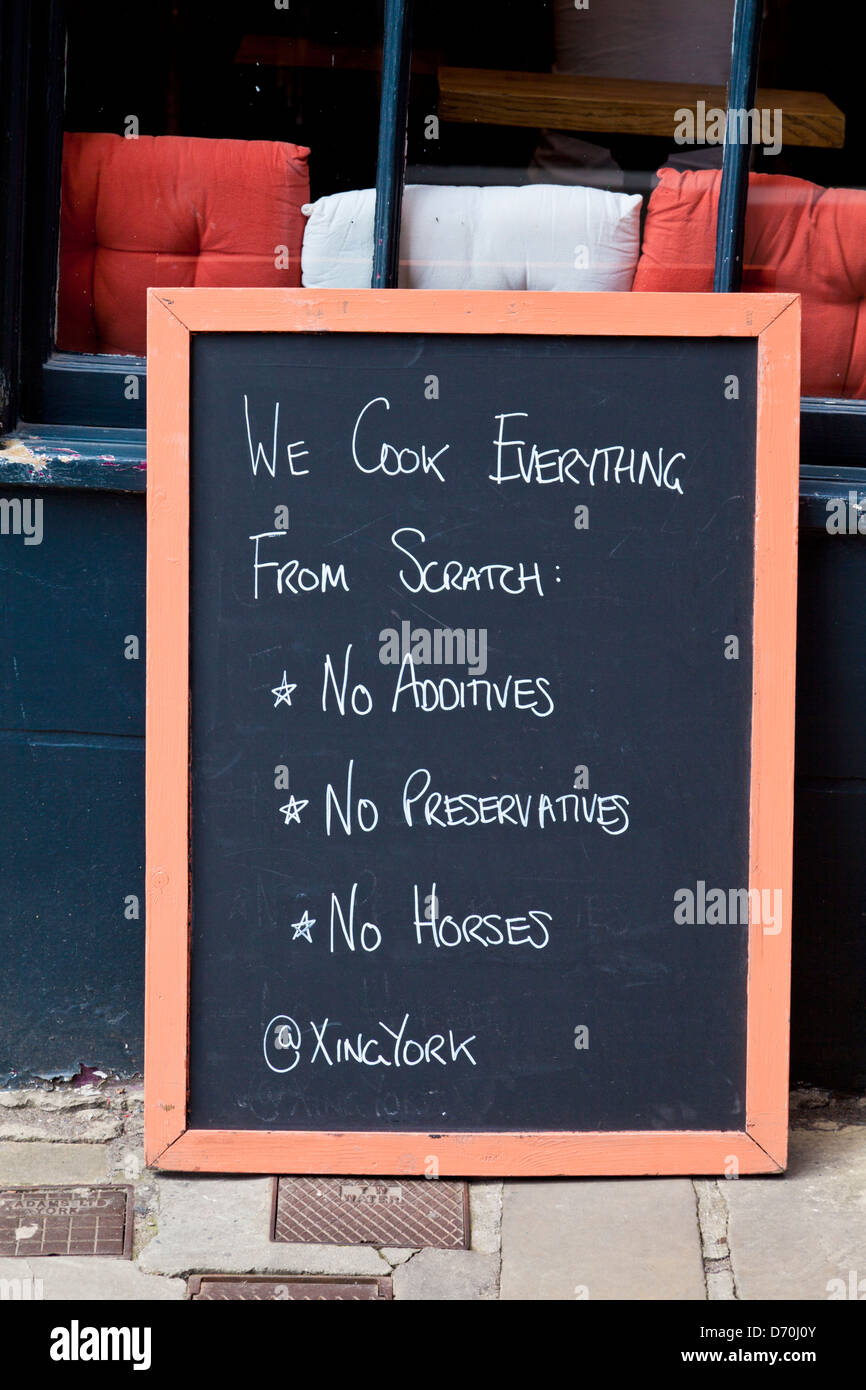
(302,928)
(292,810)
(283,692)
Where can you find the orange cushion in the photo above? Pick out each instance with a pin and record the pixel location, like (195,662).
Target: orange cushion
(799,238)
(167,210)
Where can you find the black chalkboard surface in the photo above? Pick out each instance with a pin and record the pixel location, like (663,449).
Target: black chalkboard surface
(470,720)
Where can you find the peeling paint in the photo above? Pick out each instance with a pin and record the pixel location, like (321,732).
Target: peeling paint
(32,459)
(19,453)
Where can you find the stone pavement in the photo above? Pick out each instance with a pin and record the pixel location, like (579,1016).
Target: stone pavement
(801,1236)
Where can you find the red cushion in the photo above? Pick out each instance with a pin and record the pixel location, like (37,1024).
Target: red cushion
(167,210)
(799,238)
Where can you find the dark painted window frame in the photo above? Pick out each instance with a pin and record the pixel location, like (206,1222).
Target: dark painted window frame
(84,414)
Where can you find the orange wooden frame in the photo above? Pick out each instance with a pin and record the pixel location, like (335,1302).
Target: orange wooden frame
(173,315)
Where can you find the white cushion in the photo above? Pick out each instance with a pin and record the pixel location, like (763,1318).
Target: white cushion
(538,237)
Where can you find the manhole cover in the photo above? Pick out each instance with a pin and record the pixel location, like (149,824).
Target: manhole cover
(66,1221)
(215,1286)
(413,1212)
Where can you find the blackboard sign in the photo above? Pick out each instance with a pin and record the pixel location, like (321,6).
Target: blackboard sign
(470,731)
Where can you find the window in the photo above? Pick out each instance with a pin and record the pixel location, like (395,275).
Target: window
(550,144)
(806,221)
(509,110)
(534,133)
(178,152)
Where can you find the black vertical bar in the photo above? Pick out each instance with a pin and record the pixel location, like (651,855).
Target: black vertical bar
(730,227)
(14,92)
(391,159)
(44,160)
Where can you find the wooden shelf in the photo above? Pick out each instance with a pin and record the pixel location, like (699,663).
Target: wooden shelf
(563,102)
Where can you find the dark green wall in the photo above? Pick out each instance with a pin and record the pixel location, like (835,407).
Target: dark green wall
(72,787)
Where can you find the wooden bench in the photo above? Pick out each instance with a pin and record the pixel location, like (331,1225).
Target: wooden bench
(564,102)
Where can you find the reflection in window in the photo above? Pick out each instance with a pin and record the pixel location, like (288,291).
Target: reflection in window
(806,215)
(551,146)
(190,152)
(535,131)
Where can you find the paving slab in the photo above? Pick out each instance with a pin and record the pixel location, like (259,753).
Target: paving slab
(803,1235)
(86,1125)
(466,1276)
(485,1216)
(89,1280)
(209,1225)
(39,1163)
(601,1239)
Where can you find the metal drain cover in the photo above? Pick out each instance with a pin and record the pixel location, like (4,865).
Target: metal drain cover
(66,1221)
(401,1212)
(246,1286)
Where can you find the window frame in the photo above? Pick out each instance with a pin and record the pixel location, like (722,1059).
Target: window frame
(46,390)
